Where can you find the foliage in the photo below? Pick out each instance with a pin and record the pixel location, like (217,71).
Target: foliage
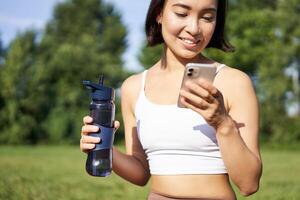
(79,47)
(17,123)
(283,52)
(250,35)
(2,51)
(44,97)
(150,55)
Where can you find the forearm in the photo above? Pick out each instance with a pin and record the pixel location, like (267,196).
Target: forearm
(129,168)
(243,166)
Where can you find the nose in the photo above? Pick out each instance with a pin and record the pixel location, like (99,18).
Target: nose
(193,27)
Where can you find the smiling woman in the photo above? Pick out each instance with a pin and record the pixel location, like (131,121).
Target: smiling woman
(164,141)
(192,18)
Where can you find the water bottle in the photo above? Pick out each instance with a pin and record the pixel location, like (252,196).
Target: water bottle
(102,110)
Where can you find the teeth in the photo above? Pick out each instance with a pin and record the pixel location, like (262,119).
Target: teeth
(189,41)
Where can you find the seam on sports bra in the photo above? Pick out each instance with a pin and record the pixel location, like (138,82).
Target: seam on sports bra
(141,92)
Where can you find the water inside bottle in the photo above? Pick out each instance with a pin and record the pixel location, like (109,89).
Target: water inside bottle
(99,162)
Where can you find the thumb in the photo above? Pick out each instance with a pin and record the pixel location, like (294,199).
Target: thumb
(116,125)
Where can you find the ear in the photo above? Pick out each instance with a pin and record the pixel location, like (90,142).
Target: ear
(158,18)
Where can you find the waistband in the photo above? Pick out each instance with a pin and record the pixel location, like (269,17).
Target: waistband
(155,196)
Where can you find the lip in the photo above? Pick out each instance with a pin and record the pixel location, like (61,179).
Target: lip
(189,43)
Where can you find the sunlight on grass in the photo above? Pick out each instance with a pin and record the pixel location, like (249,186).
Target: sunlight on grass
(58,173)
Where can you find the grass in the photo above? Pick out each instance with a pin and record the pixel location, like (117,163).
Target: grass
(44,172)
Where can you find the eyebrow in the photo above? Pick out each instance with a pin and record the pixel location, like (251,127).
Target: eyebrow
(181,5)
(189,8)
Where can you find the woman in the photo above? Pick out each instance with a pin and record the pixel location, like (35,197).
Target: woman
(188,153)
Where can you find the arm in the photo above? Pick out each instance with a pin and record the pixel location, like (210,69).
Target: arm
(133,165)
(236,127)
(237,137)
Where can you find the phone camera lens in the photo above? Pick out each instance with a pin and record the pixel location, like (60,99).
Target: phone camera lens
(190,69)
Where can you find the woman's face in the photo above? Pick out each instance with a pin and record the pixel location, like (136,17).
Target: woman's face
(188,25)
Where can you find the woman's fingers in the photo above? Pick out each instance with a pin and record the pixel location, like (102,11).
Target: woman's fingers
(199,90)
(194,99)
(116,124)
(190,106)
(86,129)
(87,119)
(90,139)
(208,86)
(88,143)
(86,147)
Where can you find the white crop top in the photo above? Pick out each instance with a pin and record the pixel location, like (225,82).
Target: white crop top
(176,140)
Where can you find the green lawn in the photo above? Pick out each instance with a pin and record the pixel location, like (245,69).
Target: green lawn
(58,173)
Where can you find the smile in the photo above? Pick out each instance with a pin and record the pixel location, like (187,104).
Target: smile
(189,41)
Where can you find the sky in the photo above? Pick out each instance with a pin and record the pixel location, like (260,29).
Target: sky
(19,15)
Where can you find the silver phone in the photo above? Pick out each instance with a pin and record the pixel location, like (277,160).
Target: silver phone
(194,71)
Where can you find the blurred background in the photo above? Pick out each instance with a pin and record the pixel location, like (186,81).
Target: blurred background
(48,47)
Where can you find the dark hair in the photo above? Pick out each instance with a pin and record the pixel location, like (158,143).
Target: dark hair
(153,29)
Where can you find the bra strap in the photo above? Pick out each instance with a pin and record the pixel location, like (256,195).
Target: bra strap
(220,67)
(144,80)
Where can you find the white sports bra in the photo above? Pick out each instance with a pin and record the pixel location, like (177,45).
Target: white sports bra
(176,140)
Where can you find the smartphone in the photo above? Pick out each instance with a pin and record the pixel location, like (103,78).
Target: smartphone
(194,71)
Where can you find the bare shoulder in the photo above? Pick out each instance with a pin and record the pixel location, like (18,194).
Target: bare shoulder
(130,88)
(233,79)
(236,86)
(132,83)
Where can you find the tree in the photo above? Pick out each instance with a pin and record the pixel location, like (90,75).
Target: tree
(1,53)
(274,83)
(291,32)
(150,55)
(254,4)
(16,121)
(84,39)
(43,99)
(1,67)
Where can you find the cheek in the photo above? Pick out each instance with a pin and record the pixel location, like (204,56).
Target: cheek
(208,30)
(171,25)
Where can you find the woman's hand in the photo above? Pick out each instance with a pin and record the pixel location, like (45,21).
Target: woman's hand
(205,99)
(87,142)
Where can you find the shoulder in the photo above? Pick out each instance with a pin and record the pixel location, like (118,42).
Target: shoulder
(132,83)
(236,86)
(130,89)
(232,78)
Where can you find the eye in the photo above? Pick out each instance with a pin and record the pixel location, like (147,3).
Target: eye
(208,18)
(181,14)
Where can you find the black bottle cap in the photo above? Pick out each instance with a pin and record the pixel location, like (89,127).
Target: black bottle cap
(99,91)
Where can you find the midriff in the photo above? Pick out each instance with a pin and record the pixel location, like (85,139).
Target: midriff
(193,186)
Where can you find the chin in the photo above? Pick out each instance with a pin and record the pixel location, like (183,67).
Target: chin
(188,55)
